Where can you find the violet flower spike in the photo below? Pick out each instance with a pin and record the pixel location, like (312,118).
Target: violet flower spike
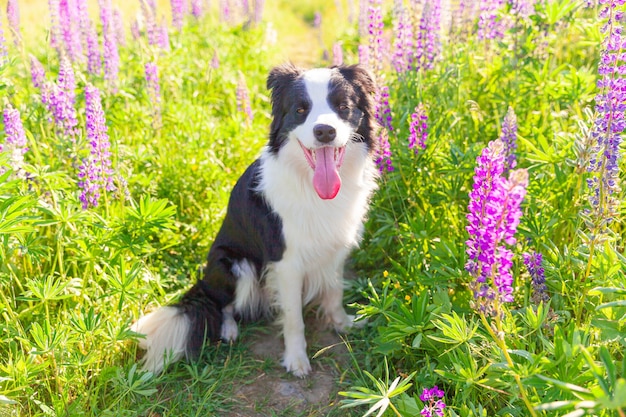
(509,138)
(494,214)
(95,172)
(15,141)
(13,16)
(3,48)
(337,54)
(382,110)
(152,79)
(418,129)
(243,99)
(60,99)
(55,29)
(402,59)
(37,72)
(533,262)
(111,53)
(375,45)
(69,19)
(610,123)
(383,159)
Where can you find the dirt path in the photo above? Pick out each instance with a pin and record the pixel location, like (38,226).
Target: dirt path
(274,392)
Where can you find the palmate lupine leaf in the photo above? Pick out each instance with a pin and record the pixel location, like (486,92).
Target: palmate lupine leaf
(380,400)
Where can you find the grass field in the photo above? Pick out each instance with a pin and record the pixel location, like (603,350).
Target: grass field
(492,265)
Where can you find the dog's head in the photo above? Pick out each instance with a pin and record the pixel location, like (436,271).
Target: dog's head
(323,110)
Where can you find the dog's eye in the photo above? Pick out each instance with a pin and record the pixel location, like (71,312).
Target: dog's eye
(300,110)
(344,107)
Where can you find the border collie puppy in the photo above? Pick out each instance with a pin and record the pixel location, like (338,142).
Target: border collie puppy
(292,219)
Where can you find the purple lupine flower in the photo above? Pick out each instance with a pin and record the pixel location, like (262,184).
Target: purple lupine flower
(15,141)
(94,58)
(383,158)
(243,99)
(13,16)
(364,58)
(118,27)
(494,214)
(433,405)
(55,30)
(111,53)
(258,10)
(403,44)
(610,123)
(152,79)
(489,22)
(83,20)
(418,129)
(337,54)
(215,60)
(197,8)
(522,8)
(509,138)
(178,13)
(163,36)
(375,45)
(427,43)
(134,29)
(382,110)
(3,47)
(37,72)
(317,20)
(60,99)
(465,15)
(95,172)
(533,262)
(148,12)
(225,11)
(363,18)
(69,19)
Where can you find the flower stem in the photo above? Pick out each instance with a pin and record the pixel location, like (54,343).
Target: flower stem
(502,345)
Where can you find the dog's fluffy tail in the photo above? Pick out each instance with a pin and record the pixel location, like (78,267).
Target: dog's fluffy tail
(178,331)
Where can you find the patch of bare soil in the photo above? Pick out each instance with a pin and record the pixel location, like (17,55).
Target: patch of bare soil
(274,392)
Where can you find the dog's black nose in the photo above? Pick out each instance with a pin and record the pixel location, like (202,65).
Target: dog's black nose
(324,133)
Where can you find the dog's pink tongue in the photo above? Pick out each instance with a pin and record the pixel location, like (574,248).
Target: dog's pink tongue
(326,178)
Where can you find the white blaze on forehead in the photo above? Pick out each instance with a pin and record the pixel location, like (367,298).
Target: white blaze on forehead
(317,82)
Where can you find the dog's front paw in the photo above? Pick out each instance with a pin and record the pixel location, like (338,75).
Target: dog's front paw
(297,363)
(348,321)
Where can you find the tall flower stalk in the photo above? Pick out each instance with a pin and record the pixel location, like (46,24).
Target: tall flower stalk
(243,99)
(60,99)
(418,129)
(13,16)
(375,45)
(15,141)
(154,91)
(95,173)
(494,214)
(111,53)
(509,138)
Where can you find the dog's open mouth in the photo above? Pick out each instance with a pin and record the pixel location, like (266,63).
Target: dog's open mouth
(325,162)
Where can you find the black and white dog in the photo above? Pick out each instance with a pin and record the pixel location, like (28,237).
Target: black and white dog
(292,219)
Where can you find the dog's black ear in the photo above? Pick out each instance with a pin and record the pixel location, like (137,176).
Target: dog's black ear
(280,80)
(282,75)
(364,84)
(359,76)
